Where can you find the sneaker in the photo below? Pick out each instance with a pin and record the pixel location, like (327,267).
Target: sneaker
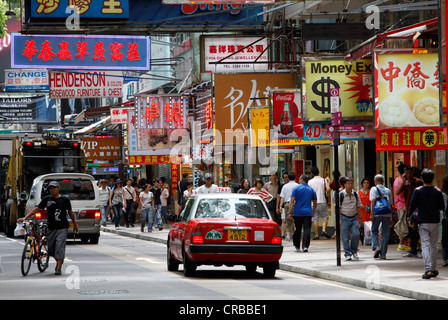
(316,238)
(410,255)
(403,247)
(348,258)
(305,250)
(355,256)
(297,249)
(57,272)
(445,264)
(383,257)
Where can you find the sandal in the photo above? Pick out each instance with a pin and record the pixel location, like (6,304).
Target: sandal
(429,274)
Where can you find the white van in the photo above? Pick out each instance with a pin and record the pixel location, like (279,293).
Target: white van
(80,188)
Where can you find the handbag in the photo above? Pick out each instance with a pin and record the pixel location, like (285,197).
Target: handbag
(381,205)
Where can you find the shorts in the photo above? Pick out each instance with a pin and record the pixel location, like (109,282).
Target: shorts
(321,212)
(56,240)
(289,223)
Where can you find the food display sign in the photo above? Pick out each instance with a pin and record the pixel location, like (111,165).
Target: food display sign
(408,90)
(351,81)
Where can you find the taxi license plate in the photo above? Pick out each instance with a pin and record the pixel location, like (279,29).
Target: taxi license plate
(237,235)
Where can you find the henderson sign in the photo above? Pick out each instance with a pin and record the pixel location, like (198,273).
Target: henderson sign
(66,85)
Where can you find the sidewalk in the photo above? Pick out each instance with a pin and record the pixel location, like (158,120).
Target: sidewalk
(396,275)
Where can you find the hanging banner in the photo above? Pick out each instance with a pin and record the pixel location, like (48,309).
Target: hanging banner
(352,81)
(80,52)
(408,90)
(95,84)
(410,139)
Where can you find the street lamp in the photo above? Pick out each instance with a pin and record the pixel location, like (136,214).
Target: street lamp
(10,12)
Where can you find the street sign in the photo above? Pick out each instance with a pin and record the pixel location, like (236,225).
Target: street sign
(355,128)
(336,118)
(334,100)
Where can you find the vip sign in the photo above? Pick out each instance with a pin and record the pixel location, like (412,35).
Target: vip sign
(161,112)
(353,83)
(101,148)
(72,85)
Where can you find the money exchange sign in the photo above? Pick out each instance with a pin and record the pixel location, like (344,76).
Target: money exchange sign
(352,80)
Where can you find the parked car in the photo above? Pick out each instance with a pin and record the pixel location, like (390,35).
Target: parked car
(84,196)
(225,229)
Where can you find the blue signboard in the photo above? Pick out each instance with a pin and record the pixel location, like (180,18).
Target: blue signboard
(118,9)
(26,79)
(80,52)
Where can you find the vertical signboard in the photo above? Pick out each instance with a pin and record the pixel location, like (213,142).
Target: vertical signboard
(286,113)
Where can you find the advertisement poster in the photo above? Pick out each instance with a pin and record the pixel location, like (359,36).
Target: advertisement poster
(325,79)
(405,139)
(286,114)
(408,90)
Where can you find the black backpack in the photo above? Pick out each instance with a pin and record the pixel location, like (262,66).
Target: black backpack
(341,196)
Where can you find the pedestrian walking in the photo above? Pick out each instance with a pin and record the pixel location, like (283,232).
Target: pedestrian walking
(157,191)
(258,190)
(104,192)
(148,207)
(445,223)
(320,186)
(273,187)
(410,182)
(350,210)
(130,196)
(401,227)
(426,205)
(245,186)
(364,196)
(302,212)
(164,196)
(285,200)
(208,187)
(58,208)
(117,201)
(381,214)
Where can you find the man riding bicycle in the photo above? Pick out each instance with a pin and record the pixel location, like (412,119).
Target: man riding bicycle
(57,209)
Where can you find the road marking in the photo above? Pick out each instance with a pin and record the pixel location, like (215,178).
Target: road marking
(324,282)
(147,260)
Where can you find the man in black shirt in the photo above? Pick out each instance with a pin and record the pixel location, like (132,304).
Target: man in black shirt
(57,209)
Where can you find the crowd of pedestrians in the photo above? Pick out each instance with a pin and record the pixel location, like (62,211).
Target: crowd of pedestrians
(372,215)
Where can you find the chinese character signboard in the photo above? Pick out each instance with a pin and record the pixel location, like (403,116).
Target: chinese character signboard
(67,85)
(161,112)
(397,139)
(236,93)
(101,148)
(119,115)
(408,90)
(26,79)
(286,113)
(118,9)
(353,81)
(80,52)
(238,51)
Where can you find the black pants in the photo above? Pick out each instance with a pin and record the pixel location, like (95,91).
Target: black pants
(414,236)
(300,222)
(129,214)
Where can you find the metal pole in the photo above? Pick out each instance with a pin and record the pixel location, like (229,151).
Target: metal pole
(336,199)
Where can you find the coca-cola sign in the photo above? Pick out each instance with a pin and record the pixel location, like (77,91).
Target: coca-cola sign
(286,114)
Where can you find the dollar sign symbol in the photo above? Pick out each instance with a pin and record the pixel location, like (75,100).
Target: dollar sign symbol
(322,88)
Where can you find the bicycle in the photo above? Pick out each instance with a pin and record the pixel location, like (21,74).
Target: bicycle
(36,248)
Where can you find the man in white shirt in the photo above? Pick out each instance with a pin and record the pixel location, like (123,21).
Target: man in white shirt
(130,196)
(208,187)
(319,186)
(285,198)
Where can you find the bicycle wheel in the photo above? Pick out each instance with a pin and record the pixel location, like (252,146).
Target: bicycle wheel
(27,257)
(43,257)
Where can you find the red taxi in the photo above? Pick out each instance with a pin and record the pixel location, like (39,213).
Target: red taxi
(224,229)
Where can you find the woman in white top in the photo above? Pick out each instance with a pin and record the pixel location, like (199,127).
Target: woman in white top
(104,192)
(117,200)
(148,207)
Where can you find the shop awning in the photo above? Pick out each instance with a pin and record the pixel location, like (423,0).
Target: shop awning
(367,47)
(94,126)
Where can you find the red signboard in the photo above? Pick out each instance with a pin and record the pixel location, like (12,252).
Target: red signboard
(153,159)
(410,139)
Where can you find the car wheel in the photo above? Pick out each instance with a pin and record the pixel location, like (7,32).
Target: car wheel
(269,270)
(189,266)
(251,268)
(95,238)
(172,264)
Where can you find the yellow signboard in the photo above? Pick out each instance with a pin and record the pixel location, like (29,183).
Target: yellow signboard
(259,131)
(334,84)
